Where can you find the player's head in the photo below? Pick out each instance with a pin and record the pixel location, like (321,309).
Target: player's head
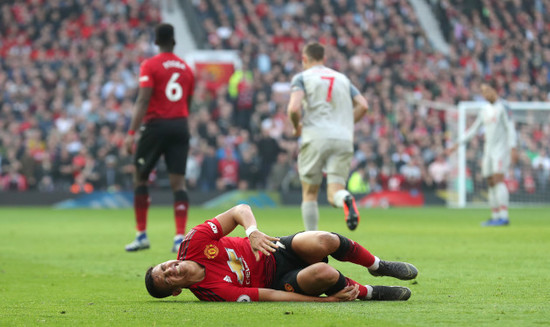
(489,92)
(314,53)
(164,36)
(167,278)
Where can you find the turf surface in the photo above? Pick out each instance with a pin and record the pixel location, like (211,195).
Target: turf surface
(68,267)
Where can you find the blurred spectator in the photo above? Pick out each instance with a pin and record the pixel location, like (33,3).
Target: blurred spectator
(358,181)
(279,171)
(80,185)
(249,169)
(209,169)
(439,171)
(13,180)
(68,72)
(268,150)
(412,175)
(228,171)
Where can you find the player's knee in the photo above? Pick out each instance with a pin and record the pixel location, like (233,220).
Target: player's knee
(324,273)
(328,241)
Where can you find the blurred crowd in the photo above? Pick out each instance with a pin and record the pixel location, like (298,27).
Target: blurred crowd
(68,81)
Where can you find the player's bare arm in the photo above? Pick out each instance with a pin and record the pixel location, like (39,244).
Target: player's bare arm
(242,215)
(142,103)
(360,107)
(348,293)
(294,111)
(470,132)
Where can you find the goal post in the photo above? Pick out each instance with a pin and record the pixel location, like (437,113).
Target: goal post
(466,186)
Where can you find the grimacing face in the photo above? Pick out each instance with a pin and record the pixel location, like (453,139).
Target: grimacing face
(170,275)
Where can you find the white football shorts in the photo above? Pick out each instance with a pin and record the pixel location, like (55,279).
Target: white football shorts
(495,162)
(332,155)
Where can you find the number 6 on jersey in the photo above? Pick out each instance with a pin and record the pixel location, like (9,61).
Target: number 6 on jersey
(173,90)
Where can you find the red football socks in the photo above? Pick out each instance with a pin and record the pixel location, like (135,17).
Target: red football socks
(180,215)
(141,206)
(351,251)
(362,288)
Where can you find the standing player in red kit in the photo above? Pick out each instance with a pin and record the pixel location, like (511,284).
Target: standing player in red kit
(166,85)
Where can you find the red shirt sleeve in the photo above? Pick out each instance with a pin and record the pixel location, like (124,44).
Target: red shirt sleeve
(210,228)
(145,75)
(227,293)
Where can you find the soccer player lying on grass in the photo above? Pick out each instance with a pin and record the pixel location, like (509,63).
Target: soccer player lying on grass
(215,267)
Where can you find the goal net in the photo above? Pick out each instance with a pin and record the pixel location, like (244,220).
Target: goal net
(528,181)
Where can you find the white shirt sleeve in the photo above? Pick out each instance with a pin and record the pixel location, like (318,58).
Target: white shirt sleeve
(470,132)
(510,127)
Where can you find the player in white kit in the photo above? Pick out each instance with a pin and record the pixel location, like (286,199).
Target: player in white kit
(498,150)
(331,105)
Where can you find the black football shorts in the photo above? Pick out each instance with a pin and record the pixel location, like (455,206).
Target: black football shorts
(288,265)
(168,137)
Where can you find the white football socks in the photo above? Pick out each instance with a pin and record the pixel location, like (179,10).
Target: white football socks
(493,204)
(503,199)
(375,265)
(369,292)
(339,196)
(310,215)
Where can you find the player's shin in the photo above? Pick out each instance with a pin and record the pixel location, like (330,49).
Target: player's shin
(310,215)
(351,251)
(141,206)
(181,205)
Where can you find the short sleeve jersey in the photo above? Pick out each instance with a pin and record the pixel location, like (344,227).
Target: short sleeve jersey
(172,81)
(328,103)
(232,272)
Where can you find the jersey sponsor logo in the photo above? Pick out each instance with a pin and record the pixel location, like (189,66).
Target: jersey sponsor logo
(239,266)
(173,64)
(144,78)
(180,207)
(211,251)
(213,226)
(244,298)
(227,279)
(289,288)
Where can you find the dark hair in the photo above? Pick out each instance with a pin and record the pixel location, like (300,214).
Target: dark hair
(315,51)
(164,35)
(152,288)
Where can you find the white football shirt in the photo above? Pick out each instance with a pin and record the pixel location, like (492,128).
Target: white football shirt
(327,105)
(500,134)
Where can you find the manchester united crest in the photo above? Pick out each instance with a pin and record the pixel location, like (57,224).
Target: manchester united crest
(289,288)
(211,251)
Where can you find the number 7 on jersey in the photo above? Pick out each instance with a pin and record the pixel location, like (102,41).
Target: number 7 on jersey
(331,83)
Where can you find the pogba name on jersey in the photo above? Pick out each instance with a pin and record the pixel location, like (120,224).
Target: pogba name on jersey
(173,64)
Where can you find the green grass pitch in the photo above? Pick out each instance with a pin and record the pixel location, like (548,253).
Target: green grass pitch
(69,268)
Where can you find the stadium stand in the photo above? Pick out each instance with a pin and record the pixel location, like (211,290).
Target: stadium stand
(68,81)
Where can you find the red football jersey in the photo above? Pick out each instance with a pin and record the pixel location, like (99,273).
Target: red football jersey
(173,83)
(232,272)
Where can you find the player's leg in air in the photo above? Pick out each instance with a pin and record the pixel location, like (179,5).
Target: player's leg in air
(337,168)
(339,197)
(319,277)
